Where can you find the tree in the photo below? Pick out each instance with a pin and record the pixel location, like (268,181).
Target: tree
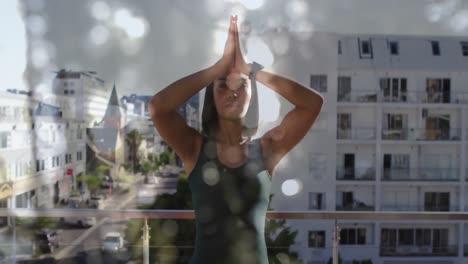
(92,181)
(168,237)
(279,238)
(145,168)
(133,141)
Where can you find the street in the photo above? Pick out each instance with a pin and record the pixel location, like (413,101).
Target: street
(83,245)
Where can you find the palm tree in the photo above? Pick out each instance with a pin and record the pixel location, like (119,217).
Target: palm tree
(133,141)
(145,169)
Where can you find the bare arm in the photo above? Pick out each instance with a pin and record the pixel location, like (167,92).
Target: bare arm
(280,140)
(162,107)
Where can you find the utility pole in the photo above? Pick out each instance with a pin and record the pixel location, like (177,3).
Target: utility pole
(336,242)
(145,238)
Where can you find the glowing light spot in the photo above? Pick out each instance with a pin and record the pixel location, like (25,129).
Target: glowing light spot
(291,187)
(251,4)
(210,173)
(169,228)
(258,51)
(296,8)
(99,35)
(459,22)
(280,45)
(100,10)
(437,11)
(134,27)
(40,57)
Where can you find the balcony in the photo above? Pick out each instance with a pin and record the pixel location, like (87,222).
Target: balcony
(378,96)
(419,208)
(355,174)
(362,96)
(356,134)
(421,174)
(419,251)
(355,206)
(422,134)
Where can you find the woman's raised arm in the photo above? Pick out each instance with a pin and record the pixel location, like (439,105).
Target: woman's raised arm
(162,107)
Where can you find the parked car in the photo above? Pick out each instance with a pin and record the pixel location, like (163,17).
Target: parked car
(113,242)
(80,221)
(97,201)
(46,240)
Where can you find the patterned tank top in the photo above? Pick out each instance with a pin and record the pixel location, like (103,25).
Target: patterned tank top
(230,206)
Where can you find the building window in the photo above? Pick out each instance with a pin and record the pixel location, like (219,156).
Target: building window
(317,165)
(365,49)
(438,91)
(317,239)
(464,47)
(394,89)
(435,48)
(353,236)
(72,91)
(318,82)
(423,237)
(42,165)
(79,155)
(405,237)
(68,158)
(436,201)
(4,139)
(339,46)
(65,91)
(38,165)
(344,88)
(316,201)
(394,48)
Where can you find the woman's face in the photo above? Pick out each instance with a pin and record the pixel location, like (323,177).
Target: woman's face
(232,96)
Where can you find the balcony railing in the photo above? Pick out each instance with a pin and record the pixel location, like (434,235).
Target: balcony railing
(373,96)
(419,251)
(419,208)
(421,174)
(86,246)
(355,174)
(355,207)
(425,134)
(356,134)
(361,96)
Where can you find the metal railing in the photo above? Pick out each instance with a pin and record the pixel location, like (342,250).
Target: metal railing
(124,216)
(421,174)
(380,96)
(426,134)
(419,251)
(419,208)
(360,133)
(355,174)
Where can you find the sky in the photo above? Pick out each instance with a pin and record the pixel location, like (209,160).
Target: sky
(145,45)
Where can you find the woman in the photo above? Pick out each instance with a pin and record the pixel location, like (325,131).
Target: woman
(230,174)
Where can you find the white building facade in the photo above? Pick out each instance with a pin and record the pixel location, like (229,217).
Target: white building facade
(391,137)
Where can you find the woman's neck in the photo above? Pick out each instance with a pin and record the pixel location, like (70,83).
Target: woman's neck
(230,133)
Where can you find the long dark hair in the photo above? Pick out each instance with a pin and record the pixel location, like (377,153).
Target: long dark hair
(210,114)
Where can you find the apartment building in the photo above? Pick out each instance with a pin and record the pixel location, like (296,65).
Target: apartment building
(391,137)
(41,150)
